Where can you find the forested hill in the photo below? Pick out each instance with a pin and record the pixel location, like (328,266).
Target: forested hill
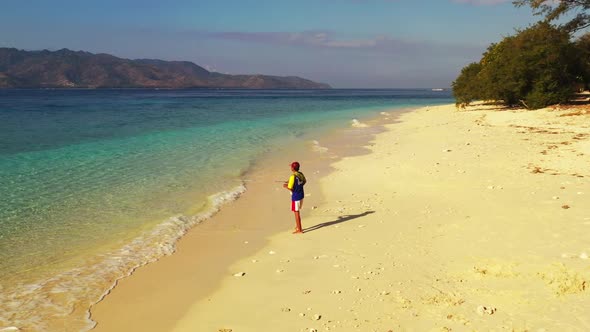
(71,69)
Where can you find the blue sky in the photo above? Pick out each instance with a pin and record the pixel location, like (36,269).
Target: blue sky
(345,43)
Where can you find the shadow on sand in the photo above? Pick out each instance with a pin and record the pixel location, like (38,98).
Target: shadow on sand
(335,222)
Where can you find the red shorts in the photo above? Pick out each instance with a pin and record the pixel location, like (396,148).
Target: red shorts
(296,205)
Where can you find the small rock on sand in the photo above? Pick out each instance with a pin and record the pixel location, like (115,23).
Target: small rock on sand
(317,316)
(565,206)
(285,309)
(240,274)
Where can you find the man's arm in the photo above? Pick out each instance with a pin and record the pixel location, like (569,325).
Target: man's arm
(289,185)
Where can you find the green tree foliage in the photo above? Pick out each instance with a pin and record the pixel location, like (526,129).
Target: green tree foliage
(556,9)
(466,88)
(583,49)
(536,67)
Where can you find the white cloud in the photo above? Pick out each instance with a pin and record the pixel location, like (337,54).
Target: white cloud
(325,39)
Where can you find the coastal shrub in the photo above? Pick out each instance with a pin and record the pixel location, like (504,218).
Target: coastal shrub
(537,67)
(466,87)
(583,49)
(502,73)
(553,65)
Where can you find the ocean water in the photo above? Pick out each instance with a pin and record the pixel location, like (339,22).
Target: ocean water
(94,183)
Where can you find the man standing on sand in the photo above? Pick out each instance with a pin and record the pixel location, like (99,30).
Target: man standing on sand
(295,185)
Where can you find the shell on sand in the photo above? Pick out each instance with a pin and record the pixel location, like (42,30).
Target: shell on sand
(485,310)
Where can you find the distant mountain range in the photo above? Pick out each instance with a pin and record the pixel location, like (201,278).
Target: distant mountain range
(71,69)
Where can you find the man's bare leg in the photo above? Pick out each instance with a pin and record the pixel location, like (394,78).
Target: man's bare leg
(298,229)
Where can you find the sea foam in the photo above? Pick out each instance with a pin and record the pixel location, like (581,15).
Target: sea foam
(316,147)
(357,124)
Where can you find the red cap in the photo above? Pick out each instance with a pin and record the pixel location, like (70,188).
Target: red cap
(295,165)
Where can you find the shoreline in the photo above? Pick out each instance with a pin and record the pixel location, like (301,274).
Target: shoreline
(207,244)
(454,220)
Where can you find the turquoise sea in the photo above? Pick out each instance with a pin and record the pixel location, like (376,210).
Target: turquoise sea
(94,183)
